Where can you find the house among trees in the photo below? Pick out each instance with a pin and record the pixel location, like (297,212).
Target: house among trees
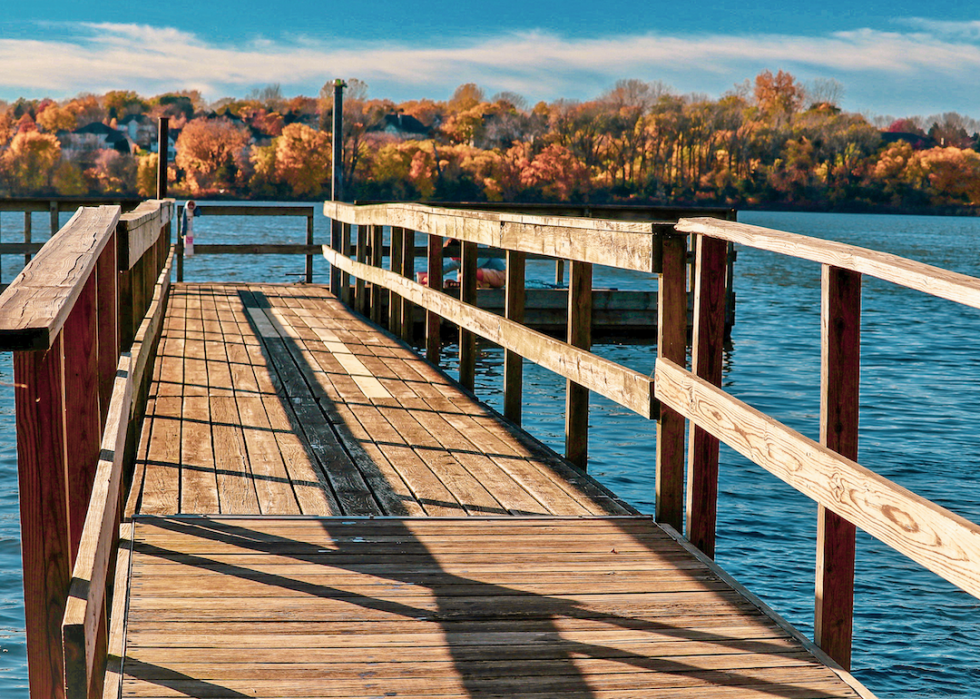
(403,126)
(140,128)
(95,136)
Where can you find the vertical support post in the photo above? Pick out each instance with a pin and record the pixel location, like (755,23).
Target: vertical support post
(180,243)
(43,481)
(309,241)
(513,362)
(27,235)
(163,156)
(840,371)
(579,335)
(337,153)
(82,429)
(559,272)
(335,242)
(376,245)
(345,248)
(54,218)
(360,300)
(672,345)
(106,308)
(1,256)
(432,320)
(706,360)
(408,270)
(467,294)
(394,264)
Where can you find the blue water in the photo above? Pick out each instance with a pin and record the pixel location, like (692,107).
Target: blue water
(915,635)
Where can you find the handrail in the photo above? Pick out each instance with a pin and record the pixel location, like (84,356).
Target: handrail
(847,493)
(69,319)
(309,250)
(918,276)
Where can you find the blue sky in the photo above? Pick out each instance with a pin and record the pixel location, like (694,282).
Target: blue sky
(897,58)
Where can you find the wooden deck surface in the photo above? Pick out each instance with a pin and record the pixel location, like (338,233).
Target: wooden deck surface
(318,513)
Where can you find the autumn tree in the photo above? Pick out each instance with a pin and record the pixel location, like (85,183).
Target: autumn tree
(30,161)
(55,118)
(113,172)
(302,159)
(212,153)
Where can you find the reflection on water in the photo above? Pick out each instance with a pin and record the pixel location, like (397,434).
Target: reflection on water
(915,635)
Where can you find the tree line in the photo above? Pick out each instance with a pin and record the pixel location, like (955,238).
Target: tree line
(771,141)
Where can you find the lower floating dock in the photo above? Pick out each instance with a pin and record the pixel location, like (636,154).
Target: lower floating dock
(316,512)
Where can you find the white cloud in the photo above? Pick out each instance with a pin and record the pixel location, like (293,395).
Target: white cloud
(97,57)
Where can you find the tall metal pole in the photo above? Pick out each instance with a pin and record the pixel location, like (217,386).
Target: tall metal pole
(337,184)
(163,152)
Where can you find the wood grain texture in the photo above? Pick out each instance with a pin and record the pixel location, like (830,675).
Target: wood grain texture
(36,305)
(622,244)
(629,388)
(672,345)
(43,487)
(139,230)
(840,380)
(706,354)
(943,542)
(311,611)
(891,268)
(580,337)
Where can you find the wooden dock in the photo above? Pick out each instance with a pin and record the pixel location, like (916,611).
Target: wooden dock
(255,490)
(319,513)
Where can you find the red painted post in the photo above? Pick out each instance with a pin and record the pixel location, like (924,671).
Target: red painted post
(43,482)
(706,355)
(82,419)
(672,345)
(432,320)
(840,376)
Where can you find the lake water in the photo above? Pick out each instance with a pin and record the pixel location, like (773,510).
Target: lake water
(915,635)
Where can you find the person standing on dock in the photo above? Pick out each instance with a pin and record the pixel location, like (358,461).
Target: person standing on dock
(187,227)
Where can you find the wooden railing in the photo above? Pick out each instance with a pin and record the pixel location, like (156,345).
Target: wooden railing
(53,207)
(82,319)
(681,399)
(245,248)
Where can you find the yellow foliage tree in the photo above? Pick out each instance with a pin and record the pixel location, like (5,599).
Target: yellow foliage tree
(211,152)
(302,158)
(30,160)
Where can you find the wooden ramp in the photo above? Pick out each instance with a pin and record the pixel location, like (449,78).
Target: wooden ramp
(318,513)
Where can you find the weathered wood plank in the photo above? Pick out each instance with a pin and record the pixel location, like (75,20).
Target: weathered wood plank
(939,282)
(940,540)
(627,387)
(36,305)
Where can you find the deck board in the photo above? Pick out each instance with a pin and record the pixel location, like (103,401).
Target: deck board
(319,513)
(311,607)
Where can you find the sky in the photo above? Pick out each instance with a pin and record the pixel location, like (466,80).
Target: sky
(895,57)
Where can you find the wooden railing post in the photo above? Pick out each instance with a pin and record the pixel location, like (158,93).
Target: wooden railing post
(432,320)
(27,235)
(394,264)
(345,250)
(180,244)
(43,486)
(467,294)
(55,218)
(360,288)
(336,234)
(82,418)
(706,360)
(513,362)
(107,308)
(672,345)
(408,271)
(840,371)
(579,335)
(377,256)
(309,256)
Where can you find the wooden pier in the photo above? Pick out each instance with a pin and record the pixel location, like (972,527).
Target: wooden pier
(258,490)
